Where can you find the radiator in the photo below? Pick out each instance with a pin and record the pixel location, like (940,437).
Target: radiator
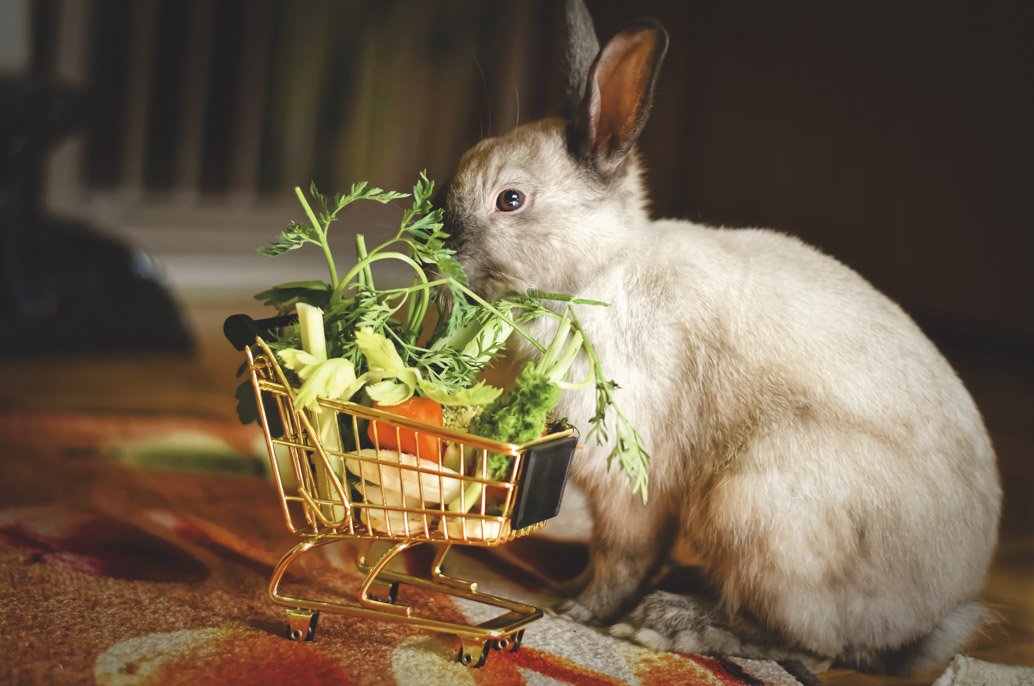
(204,114)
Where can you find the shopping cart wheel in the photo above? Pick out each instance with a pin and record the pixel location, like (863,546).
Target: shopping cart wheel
(474,655)
(517,638)
(511,643)
(302,624)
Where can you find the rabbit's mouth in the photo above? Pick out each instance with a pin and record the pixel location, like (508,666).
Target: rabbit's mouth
(495,280)
(487,277)
(480,276)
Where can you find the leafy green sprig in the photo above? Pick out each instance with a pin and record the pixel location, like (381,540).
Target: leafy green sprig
(315,232)
(470,331)
(628,449)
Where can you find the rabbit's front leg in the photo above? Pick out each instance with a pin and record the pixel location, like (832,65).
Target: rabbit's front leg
(630,540)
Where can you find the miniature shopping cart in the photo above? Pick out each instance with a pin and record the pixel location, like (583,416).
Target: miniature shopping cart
(337,480)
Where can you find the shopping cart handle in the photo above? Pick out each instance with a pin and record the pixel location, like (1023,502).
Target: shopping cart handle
(241,330)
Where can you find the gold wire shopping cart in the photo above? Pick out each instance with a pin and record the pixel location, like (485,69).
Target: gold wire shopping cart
(337,480)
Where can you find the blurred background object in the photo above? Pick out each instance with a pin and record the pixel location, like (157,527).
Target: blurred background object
(895,136)
(63,284)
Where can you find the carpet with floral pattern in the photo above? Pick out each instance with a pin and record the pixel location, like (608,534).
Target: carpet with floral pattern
(136,550)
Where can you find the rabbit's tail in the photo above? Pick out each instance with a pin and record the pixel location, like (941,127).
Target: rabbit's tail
(927,652)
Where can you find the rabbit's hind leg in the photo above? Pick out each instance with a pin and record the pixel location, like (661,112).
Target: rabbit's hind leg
(630,542)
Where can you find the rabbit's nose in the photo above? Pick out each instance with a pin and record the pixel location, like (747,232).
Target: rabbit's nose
(441,196)
(454,227)
(452,221)
(440,199)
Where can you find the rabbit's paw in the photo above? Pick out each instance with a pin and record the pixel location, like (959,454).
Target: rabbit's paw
(690,624)
(574,610)
(667,621)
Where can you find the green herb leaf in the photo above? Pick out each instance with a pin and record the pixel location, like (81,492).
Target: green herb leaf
(478,394)
(389,392)
(379,352)
(293,237)
(334,378)
(300,362)
(563,297)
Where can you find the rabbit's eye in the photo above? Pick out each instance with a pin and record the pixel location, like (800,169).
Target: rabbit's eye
(509,200)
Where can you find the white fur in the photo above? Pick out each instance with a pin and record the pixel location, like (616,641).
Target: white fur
(808,441)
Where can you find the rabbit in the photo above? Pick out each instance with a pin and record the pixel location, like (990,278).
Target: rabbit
(808,442)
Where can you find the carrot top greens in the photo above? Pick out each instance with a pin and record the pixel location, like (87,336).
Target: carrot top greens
(380,343)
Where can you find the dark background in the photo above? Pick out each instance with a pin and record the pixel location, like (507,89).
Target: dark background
(894,135)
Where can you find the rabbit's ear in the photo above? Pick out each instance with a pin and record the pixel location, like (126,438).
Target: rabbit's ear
(618,95)
(580,51)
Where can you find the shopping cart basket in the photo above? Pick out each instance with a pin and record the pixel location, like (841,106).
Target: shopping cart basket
(337,481)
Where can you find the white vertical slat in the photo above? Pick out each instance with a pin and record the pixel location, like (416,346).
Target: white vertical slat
(306,63)
(14,36)
(139,85)
(200,25)
(64,187)
(75,20)
(258,28)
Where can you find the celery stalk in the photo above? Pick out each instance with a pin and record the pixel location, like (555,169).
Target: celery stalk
(314,342)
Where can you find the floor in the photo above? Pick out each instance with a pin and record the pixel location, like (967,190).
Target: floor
(202,384)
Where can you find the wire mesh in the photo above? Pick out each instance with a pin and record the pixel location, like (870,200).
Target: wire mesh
(358,482)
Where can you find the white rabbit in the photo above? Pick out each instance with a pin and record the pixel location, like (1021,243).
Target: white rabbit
(808,441)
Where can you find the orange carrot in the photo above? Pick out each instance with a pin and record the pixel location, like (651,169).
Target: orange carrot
(409,440)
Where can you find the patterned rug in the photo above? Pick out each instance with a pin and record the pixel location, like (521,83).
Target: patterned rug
(136,550)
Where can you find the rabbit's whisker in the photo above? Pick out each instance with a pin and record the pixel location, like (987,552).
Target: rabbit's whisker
(517,96)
